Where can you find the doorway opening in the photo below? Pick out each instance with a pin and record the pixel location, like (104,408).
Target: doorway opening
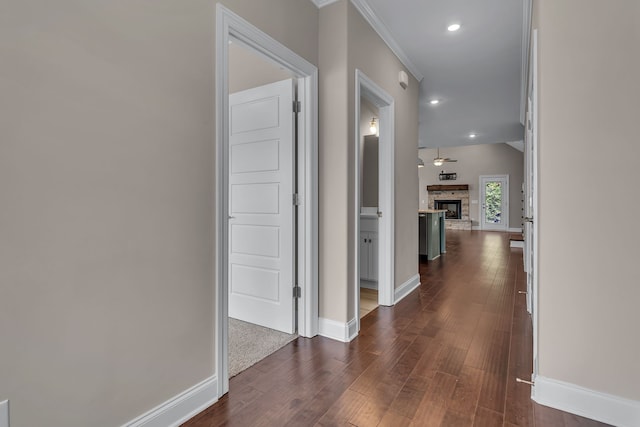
(262,226)
(369,202)
(246,200)
(374,225)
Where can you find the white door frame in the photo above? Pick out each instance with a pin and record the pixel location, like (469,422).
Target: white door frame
(533,93)
(505,202)
(229,24)
(367,88)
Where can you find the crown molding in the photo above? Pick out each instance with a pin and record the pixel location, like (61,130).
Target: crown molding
(322,3)
(376,23)
(378,26)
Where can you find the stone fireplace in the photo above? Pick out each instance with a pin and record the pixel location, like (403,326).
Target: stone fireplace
(455,200)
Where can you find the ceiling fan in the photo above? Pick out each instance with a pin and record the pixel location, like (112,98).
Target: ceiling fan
(439,161)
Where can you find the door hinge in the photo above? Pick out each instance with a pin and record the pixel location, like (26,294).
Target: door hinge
(297,106)
(296,199)
(297,292)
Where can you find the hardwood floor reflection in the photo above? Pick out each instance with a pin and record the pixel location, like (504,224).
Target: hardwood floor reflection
(448,354)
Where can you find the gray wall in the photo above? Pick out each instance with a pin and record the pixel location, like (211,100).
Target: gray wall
(333,162)
(106,181)
(588,141)
(473,161)
(249,69)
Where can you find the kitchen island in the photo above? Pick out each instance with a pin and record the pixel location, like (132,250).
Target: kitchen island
(431,240)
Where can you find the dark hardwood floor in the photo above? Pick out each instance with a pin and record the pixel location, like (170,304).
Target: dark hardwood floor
(446,355)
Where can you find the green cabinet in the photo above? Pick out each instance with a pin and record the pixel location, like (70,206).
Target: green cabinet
(432,234)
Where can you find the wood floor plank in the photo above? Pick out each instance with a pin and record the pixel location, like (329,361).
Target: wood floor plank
(408,399)
(392,419)
(467,391)
(429,415)
(487,418)
(446,355)
(343,409)
(456,419)
(493,391)
(451,360)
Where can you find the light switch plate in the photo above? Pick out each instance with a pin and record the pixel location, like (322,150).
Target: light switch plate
(4,413)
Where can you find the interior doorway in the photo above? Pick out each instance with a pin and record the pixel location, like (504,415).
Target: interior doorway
(369,202)
(262,226)
(262,145)
(374,230)
(303,286)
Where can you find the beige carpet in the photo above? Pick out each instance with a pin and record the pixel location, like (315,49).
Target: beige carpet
(249,343)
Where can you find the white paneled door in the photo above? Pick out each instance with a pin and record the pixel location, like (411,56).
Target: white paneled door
(261,209)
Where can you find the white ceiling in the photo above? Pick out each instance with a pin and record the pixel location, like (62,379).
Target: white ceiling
(475,72)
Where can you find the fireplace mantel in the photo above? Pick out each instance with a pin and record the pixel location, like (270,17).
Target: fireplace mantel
(453,187)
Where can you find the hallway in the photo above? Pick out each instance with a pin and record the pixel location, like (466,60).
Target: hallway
(448,354)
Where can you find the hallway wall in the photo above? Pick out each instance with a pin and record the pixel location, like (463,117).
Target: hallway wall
(106,181)
(588,105)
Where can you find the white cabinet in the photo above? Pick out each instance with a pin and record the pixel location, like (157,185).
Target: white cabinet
(369,249)
(369,256)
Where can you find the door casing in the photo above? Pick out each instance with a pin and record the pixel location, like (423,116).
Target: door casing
(229,24)
(532,195)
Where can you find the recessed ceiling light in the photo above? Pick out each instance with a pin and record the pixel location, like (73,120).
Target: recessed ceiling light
(473,135)
(453,27)
(434,102)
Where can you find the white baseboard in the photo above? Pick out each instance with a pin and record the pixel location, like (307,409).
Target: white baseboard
(4,413)
(516,244)
(514,230)
(180,408)
(476,228)
(406,288)
(343,332)
(587,403)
